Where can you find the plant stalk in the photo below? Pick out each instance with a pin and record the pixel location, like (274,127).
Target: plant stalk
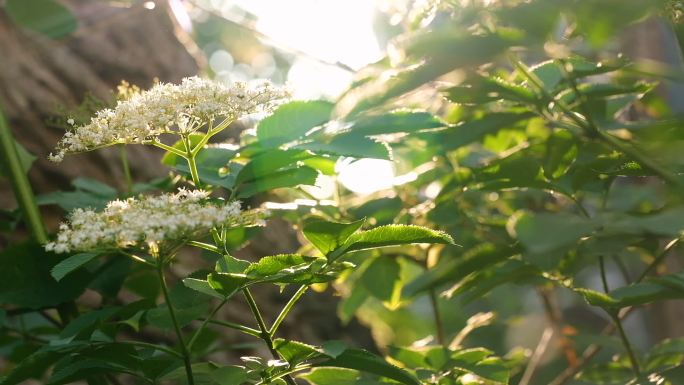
(184,350)
(264,332)
(123,154)
(288,306)
(20,184)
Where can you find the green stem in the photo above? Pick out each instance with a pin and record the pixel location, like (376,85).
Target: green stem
(264,332)
(238,327)
(27,201)
(126,168)
(288,306)
(628,346)
(211,131)
(658,259)
(604,278)
(618,324)
(170,149)
(20,183)
(204,323)
(439,326)
(144,345)
(205,246)
(190,158)
(184,350)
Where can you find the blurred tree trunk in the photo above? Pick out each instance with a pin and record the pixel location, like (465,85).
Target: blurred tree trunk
(112,43)
(656,40)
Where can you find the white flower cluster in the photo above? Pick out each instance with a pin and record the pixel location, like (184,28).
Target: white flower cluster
(169,108)
(147,222)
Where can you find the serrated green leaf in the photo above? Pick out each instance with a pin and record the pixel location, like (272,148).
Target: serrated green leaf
(227,284)
(295,352)
(326,236)
(269,162)
(367,362)
(202,286)
(286,178)
(332,376)
(291,121)
(351,144)
(390,235)
(229,264)
(395,122)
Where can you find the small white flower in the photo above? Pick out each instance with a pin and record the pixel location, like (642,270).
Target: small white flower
(169,109)
(70,121)
(148,223)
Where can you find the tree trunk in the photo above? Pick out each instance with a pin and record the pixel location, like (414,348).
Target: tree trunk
(112,44)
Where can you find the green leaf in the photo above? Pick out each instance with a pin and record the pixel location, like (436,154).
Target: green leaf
(561,150)
(72,263)
(481,89)
(202,286)
(331,376)
(187,305)
(453,270)
(351,144)
(287,178)
(47,17)
(229,264)
(269,162)
(295,352)
(448,49)
(478,362)
(327,236)
(612,373)
(479,283)
(32,366)
(25,278)
(26,160)
(366,362)
(227,284)
(395,122)
(94,186)
(268,266)
(471,131)
(544,232)
(382,278)
(291,121)
(390,235)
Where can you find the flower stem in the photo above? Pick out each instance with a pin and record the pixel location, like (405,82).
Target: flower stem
(184,350)
(192,165)
(123,154)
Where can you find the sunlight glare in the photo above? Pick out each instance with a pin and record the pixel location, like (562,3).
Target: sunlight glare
(332,31)
(366,176)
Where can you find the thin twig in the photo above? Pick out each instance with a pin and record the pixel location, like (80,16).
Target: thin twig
(591,351)
(535,360)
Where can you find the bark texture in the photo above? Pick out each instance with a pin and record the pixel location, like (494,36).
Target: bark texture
(112,43)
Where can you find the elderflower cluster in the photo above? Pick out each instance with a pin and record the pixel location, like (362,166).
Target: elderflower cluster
(168,108)
(147,222)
